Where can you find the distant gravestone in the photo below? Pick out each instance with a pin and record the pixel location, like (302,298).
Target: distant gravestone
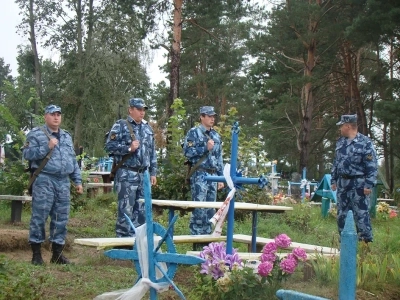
(295,190)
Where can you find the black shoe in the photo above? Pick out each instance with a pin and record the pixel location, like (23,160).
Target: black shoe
(365,240)
(37,259)
(58,257)
(59,260)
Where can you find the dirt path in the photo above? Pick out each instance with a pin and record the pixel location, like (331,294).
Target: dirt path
(14,244)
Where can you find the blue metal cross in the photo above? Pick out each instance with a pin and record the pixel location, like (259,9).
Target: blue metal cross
(171,258)
(261,181)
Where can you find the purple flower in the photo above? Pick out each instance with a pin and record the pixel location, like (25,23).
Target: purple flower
(233,259)
(217,262)
(283,241)
(265,268)
(214,250)
(300,254)
(288,265)
(270,248)
(271,257)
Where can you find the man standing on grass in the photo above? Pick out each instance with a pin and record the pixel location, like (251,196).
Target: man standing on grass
(354,174)
(131,142)
(203,149)
(51,188)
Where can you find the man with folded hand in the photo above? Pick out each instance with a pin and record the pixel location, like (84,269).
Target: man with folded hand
(354,174)
(53,163)
(203,149)
(135,137)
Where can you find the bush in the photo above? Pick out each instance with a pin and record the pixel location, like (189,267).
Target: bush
(13,178)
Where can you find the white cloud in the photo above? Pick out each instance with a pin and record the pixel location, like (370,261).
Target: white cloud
(10,40)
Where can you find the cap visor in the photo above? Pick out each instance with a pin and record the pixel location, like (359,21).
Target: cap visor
(140,106)
(339,123)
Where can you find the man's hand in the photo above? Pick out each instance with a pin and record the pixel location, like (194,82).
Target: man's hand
(79,189)
(210,144)
(367,191)
(134,145)
(220,185)
(153,180)
(333,187)
(52,143)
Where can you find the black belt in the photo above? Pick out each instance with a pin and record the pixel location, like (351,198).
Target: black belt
(208,170)
(135,169)
(351,176)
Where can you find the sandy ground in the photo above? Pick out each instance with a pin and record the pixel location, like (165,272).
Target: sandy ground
(14,243)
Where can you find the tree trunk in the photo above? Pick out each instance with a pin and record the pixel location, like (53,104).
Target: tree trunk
(175,56)
(32,39)
(352,92)
(83,55)
(307,108)
(390,176)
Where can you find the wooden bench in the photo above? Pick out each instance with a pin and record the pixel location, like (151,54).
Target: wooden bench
(242,238)
(93,188)
(384,199)
(101,243)
(16,205)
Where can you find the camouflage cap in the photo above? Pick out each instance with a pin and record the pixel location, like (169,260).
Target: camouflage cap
(347,119)
(137,102)
(208,110)
(52,109)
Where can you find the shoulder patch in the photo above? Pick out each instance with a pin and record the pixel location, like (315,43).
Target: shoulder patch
(190,144)
(113,136)
(26,145)
(368,157)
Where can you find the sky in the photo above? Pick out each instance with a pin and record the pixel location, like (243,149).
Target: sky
(10,18)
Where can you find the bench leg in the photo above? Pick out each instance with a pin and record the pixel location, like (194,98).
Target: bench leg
(16,211)
(254,233)
(106,179)
(92,192)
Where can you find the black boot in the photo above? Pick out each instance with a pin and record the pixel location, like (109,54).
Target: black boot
(58,257)
(199,246)
(37,259)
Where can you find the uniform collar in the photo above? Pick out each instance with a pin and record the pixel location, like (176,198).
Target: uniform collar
(203,129)
(357,137)
(60,131)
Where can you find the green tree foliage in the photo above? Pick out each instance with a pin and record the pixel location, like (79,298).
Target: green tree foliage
(171,164)
(4,76)
(289,73)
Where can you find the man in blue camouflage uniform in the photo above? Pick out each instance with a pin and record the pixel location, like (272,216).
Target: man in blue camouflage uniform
(129,177)
(51,188)
(204,141)
(354,174)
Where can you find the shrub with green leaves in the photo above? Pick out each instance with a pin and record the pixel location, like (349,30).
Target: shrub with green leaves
(13,178)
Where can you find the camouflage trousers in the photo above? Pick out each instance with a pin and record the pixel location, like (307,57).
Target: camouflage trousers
(50,197)
(202,190)
(129,187)
(351,198)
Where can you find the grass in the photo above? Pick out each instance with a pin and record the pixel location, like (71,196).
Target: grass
(93,273)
